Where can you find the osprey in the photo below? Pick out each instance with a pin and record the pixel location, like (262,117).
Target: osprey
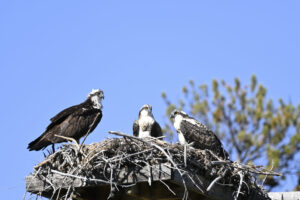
(146,125)
(192,131)
(73,122)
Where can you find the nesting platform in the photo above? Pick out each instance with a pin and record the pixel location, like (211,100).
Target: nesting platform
(134,168)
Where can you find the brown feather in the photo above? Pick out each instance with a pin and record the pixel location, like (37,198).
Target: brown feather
(73,122)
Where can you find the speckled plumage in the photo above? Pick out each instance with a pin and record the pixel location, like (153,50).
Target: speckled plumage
(197,133)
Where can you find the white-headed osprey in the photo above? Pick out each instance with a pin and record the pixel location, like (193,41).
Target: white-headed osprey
(192,131)
(73,122)
(146,125)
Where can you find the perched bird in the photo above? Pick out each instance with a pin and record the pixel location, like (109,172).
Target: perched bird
(192,131)
(146,125)
(74,122)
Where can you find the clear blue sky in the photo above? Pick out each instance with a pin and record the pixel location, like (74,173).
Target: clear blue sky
(52,53)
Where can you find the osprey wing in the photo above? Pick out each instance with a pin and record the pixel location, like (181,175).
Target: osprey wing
(80,122)
(203,138)
(156,130)
(62,115)
(72,122)
(135,128)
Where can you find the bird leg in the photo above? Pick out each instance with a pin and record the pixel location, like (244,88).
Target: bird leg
(53,148)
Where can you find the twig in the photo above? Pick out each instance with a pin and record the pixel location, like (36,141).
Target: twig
(80,177)
(214,181)
(262,184)
(220,162)
(168,187)
(66,197)
(117,158)
(184,155)
(88,132)
(44,162)
(240,185)
(111,182)
(68,139)
(193,181)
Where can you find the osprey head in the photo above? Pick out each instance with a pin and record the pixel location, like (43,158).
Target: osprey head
(96,92)
(146,110)
(96,97)
(176,112)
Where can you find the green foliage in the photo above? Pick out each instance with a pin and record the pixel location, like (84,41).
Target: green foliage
(251,126)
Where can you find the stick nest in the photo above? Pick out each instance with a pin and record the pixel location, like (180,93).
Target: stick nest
(101,162)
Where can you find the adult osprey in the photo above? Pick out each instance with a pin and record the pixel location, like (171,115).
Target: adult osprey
(192,131)
(73,122)
(146,125)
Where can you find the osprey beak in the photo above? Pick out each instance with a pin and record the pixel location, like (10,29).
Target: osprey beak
(172,116)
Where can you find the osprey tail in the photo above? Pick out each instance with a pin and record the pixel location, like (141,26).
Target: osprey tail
(38,144)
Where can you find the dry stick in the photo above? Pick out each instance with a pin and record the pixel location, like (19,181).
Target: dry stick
(88,132)
(220,162)
(193,181)
(184,155)
(117,158)
(154,138)
(66,197)
(168,187)
(68,139)
(31,183)
(251,169)
(71,171)
(214,181)
(44,162)
(149,175)
(262,184)
(240,185)
(159,148)
(58,193)
(111,182)
(80,177)
(54,188)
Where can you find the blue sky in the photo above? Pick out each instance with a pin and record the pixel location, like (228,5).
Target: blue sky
(52,53)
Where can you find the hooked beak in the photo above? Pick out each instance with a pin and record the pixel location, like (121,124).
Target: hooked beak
(102,96)
(172,116)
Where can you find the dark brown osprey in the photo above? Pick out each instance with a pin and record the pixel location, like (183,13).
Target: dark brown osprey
(146,125)
(192,131)
(73,122)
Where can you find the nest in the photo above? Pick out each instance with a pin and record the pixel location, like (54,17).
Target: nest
(103,162)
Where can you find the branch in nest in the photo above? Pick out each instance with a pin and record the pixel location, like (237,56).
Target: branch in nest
(69,139)
(241,174)
(216,179)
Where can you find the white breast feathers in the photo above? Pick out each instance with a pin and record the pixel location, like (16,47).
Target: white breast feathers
(181,138)
(177,121)
(96,102)
(145,125)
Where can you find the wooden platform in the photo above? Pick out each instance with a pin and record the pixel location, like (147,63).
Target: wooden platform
(165,184)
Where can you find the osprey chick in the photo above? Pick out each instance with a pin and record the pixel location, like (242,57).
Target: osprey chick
(192,131)
(73,122)
(146,125)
